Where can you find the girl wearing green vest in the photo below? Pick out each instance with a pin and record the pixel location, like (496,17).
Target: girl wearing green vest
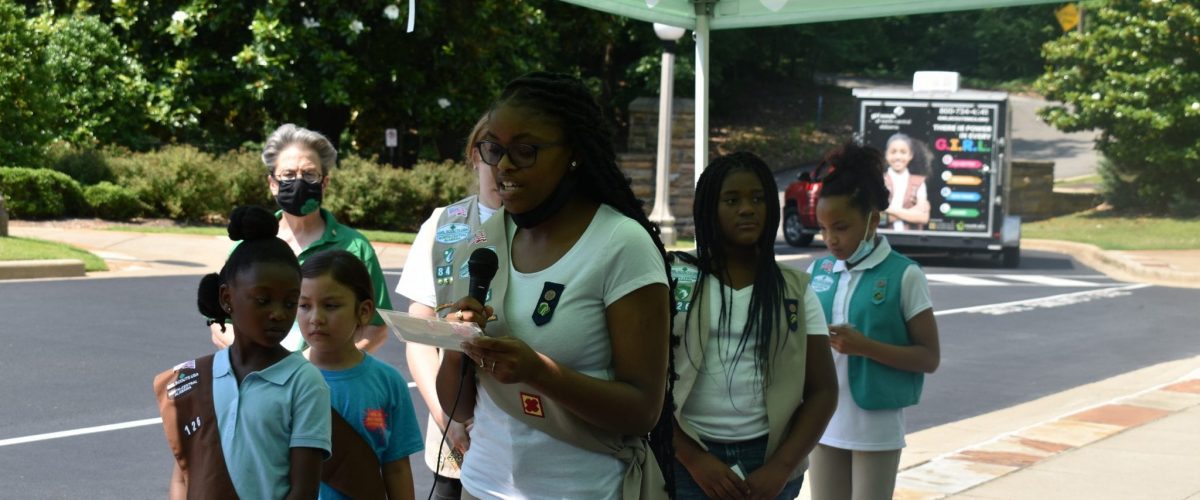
(437,257)
(882,331)
(756,383)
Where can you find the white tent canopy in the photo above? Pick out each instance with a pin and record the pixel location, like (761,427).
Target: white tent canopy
(700,16)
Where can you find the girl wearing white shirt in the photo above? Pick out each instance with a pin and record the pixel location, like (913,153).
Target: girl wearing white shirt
(582,306)
(756,382)
(883,332)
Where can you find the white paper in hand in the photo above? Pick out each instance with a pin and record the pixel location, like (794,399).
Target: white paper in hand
(429,331)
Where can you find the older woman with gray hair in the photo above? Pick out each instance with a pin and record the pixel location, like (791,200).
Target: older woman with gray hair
(299,163)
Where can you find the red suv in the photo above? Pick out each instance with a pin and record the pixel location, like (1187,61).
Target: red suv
(800,208)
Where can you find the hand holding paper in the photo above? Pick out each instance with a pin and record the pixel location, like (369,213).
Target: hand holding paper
(429,331)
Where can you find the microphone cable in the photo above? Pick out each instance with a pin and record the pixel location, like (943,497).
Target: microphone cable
(449,419)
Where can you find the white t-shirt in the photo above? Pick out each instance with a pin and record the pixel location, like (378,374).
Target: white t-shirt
(509,459)
(853,428)
(900,191)
(716,409)
(417,281)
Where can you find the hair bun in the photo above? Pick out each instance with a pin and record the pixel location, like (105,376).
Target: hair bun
(250,222)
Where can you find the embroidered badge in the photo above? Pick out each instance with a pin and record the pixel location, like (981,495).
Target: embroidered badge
(827,266)
(452,233)
(457,211)
(531,404)
(683,297)
(547,302)
(448,255)
(685,274)
(444,275)
(186,379)
(464,270)
(822,283)
(793,313)
(375,419)
(480,237)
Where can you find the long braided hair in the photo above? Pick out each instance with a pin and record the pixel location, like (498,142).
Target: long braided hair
(767,299)
(565,99)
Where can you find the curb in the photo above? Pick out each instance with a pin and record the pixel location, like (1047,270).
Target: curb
(1116,264)
(34,269)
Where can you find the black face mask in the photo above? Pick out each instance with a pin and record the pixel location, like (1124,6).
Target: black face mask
(557,199)
(299,198)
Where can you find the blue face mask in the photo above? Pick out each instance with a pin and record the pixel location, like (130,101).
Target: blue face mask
(865,247)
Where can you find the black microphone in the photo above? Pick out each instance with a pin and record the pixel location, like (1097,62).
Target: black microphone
(482,266)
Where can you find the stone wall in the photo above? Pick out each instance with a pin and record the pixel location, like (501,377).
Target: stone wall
(639,161)
(1034,197)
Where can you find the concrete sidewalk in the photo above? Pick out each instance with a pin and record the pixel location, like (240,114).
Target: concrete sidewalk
(130,254)
(1135,435)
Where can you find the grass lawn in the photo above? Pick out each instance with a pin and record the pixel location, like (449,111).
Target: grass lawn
(14,248)
(371,234)
(1118,232)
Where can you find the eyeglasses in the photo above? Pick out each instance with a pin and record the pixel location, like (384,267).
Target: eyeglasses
(309,176)
(520,155)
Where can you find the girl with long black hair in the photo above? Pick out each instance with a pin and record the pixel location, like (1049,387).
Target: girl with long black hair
(756,382)
(573,373)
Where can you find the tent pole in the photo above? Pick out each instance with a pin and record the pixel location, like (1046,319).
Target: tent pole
(702,49)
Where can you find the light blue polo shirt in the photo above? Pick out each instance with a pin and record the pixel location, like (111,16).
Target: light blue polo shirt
(281,407)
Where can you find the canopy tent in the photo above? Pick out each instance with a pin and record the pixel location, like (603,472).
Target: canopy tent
(701,16)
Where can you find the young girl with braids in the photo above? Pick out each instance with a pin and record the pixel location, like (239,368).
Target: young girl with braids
(252,420)
(756,384)
(883,332)
(573,372)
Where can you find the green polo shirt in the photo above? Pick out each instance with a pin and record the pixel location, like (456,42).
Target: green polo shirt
(342,237)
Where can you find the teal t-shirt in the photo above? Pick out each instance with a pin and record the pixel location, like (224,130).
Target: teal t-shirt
(373,398)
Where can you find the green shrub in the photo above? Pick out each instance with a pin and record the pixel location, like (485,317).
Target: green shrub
(27,108)
(245,178)
(110,201)
(366,195)
(40,193)
(178,182)
(100,86)
(86,165)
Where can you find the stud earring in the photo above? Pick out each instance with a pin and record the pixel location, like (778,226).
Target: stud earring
(573,165)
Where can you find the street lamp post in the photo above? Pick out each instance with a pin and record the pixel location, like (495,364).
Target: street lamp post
(661,214)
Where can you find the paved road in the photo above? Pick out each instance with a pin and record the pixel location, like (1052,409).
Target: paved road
(81,353)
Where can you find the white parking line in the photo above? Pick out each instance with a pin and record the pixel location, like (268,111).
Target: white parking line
(80,432)
(1047,280)
(962,280)
(93,430)
(1060,300)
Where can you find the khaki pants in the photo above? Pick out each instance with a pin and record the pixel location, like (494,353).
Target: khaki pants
(837,474)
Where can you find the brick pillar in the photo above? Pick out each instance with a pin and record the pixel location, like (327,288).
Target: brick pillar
(638,161)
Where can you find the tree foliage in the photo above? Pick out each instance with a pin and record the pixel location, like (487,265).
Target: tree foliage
(220,75)
(26,109)
(99,85)
(1134,75)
